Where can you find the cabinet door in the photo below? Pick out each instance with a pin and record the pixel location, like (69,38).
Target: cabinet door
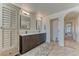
(42,37)
(33,40)
(24,44)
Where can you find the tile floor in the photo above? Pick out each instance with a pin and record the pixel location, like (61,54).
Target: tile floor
(71,49)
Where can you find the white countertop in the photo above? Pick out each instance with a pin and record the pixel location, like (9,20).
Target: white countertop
(31,33)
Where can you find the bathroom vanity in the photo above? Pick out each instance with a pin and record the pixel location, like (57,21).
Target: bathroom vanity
(29,41)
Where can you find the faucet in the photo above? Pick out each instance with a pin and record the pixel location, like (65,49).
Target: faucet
(26,32)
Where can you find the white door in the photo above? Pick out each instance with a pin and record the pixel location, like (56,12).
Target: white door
(0,30)
(55,30)
(0,34)
(6,23)
(9,23)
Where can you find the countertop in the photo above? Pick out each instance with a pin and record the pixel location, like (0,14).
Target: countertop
(31,33)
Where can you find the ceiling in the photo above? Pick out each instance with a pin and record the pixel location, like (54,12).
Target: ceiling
(71,15)
(46,8)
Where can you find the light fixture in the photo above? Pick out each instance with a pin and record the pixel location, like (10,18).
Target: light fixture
(25,13)
(39,18)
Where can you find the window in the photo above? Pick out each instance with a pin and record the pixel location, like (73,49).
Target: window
(68,28)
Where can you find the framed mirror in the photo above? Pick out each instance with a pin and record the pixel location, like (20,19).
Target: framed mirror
(25,22)
(39,24)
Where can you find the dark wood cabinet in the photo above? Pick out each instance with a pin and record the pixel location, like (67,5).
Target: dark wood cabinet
(28,42)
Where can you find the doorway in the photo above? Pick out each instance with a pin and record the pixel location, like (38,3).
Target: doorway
(71,29)
(54,30)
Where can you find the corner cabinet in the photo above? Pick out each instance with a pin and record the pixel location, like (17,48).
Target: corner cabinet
(9,15)
(28,42)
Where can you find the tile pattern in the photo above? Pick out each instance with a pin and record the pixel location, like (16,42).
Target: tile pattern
(71,49)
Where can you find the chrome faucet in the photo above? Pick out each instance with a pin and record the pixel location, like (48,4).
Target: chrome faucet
(26,32)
